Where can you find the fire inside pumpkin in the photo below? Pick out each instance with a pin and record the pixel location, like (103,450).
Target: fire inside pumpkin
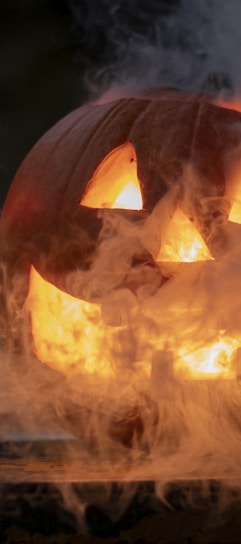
(70,335)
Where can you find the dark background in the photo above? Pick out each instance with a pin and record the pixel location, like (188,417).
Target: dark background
(40,79)
(56,54)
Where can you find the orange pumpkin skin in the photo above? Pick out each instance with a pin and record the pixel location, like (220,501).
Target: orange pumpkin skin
(169,132)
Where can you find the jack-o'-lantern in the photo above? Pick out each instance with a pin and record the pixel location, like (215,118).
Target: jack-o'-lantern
(115,204)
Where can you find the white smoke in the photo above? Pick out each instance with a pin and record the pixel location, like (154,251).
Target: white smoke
(194,46)
(185,44)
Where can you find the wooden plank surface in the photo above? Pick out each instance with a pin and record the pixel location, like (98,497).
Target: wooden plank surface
(67,461)
(53,461)
(37,479)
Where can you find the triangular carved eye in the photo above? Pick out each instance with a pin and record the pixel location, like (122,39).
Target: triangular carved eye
(182,242)
(115,183)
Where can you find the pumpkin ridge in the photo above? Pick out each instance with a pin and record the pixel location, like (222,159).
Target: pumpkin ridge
(86,143)
(20,173)
(63,135)
(70,127)
(200,107)
(115,111)
(145,110)
(57,143)
(109,117)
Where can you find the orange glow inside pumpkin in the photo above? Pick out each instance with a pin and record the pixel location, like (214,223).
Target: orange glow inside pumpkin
(115,183)
(66,331)
(213,361)
(182,242)
(235,212)
(70,335)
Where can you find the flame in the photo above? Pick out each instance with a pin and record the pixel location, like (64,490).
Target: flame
(182,242)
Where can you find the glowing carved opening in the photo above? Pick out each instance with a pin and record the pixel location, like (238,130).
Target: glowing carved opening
(235,212)
(214,361)
(182,242)
(115,183)
(70,335)
(67,332)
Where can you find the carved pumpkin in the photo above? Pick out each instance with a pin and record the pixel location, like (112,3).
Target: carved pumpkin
(147,182)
